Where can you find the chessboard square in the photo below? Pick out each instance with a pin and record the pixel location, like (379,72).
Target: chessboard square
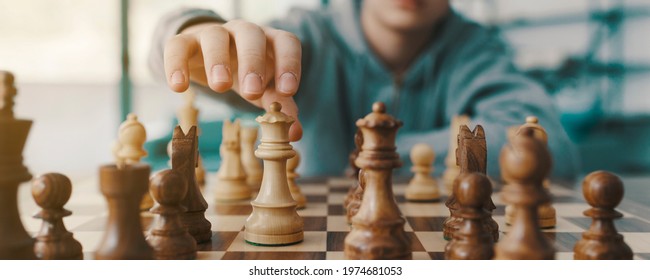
(558,190)
(338,223)
(313,209)
(432,241)
(437,255)
(426,223)
(227,223)
(564,255)
(399,189)
(313,189)
(340,189)
(99,223)
(563,241)
(501,221)
(220,241)
(642,256)
(315,223)
(316,198)
(570,209)
(336,240)
(230,209)
(89,240)
(72,222)
(99,206)
(31,224)
(336,198)
(335,255)
(341,181)
(200,255)
(497,200)
(335,210)
(416,245)
(638,241)
(564,225)
(248,255)
(96,224)
(557,199)
(424,209)
(312,242)
(625,224)
(421,256)
(500,210)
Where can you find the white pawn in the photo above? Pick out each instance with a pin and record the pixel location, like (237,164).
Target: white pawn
(422,187)
(296,193)
(131,139)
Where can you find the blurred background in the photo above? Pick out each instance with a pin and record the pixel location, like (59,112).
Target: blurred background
(81,65)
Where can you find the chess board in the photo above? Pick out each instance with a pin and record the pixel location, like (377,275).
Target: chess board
(326,225)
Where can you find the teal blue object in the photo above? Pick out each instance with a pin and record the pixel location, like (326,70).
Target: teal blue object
(209,141)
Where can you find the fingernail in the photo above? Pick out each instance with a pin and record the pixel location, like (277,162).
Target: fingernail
(252,83)
(178,78)
(220,73)
(288,83)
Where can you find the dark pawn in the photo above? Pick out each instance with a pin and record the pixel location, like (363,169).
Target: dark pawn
(525,162)
(168,237)
(472,241)
(603,191)
(54,242)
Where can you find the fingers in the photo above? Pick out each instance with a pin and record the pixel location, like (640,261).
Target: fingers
(289,107)
(251,56)
(176,56)
(287,52)
(215,45)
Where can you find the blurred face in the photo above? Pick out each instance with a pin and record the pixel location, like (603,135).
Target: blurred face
(406,15)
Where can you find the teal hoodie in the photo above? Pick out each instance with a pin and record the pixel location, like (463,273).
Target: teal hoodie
(466,69)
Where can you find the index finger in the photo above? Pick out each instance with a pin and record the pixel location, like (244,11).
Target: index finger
(177,54)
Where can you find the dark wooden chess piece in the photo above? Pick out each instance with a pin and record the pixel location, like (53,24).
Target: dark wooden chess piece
(54,242)
(124,186)
(168,237)
(472,241)
(353,172)
(471,157)
(15,243)
(378,228)
(525,162)
(603,191)
(357,196)
(184,157)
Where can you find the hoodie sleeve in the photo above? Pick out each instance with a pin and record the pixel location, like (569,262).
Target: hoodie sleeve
(484,84)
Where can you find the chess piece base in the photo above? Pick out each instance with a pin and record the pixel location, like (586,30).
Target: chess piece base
(274,225)
(547,217)
(232,190)
(387,242)
(63,248)
(422,192)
